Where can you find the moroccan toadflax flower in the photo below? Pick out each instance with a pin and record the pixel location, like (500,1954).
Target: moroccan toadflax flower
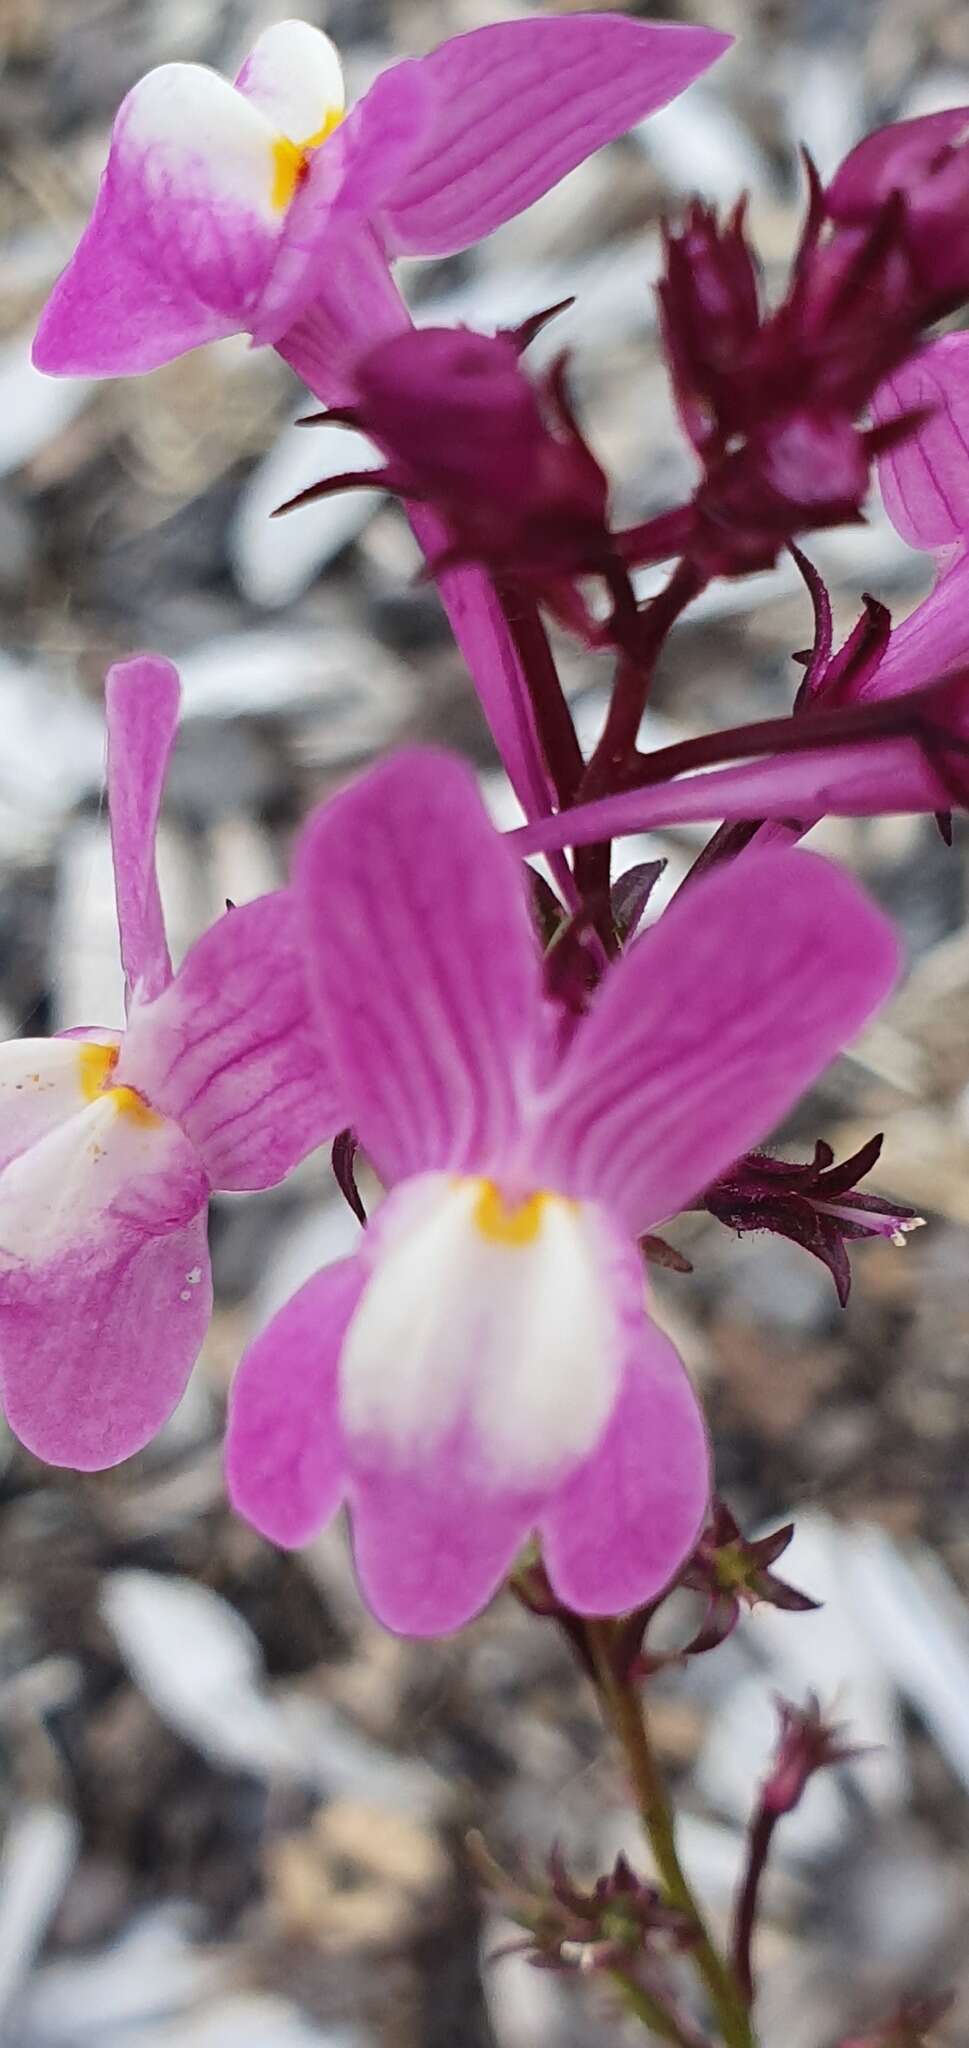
(230,207)
(263,207)
(111,1142)
(484,1367)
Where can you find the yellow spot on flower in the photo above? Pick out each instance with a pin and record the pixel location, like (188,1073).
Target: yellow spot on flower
(519,1223)
(291,160)
(97,1064)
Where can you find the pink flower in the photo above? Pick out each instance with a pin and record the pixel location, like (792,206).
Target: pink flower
(222,205)
(111,1142)
(484,1366)
(258,206)
(500,458)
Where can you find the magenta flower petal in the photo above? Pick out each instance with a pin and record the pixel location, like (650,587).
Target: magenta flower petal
(231,1050)
(286,1462)
(621,1525)
(709,1029)
(482,634)
(931,642)
(294,76)
(854,781)
(96,1344)
(343,185)
(183,236)
(925,479)
(422,956)
(517,105)
(141,699)
(430,1548)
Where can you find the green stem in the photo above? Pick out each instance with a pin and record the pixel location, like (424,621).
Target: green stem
(653,2014)
(629,1722)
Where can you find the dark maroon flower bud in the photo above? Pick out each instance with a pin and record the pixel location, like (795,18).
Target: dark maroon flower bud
(807,1744)
(499,457)
(817,1205)
(909,2027)
(771,398)
(925,163)
(711,318)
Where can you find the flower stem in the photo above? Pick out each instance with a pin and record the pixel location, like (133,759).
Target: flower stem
(655,2015)
(625,1712)
(762,1829)
(553,719)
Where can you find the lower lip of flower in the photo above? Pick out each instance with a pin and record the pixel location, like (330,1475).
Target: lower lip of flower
(485,1319)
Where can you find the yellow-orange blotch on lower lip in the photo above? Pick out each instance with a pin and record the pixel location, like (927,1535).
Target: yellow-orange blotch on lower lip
(519,1223)
(291,160)
(97,1064)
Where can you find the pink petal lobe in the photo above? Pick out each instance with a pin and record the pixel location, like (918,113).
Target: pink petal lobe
(925,479)
(286,1464)
(183,235)
(431,1547)
(423,963)
(141,699)
(294,76)
(97,1345)
(517,105)
(709,1029)
(617,1530)
(231,1050)
(931,642)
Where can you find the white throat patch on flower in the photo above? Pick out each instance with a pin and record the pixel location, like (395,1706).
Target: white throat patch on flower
(489,1317)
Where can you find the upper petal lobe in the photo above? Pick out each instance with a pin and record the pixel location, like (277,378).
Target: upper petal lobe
(708,1031)
(141,700)
(925,479)
(517,105)
(423,961)
(232,1052)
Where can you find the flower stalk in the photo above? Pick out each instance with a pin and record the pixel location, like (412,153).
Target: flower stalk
(623,1710)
